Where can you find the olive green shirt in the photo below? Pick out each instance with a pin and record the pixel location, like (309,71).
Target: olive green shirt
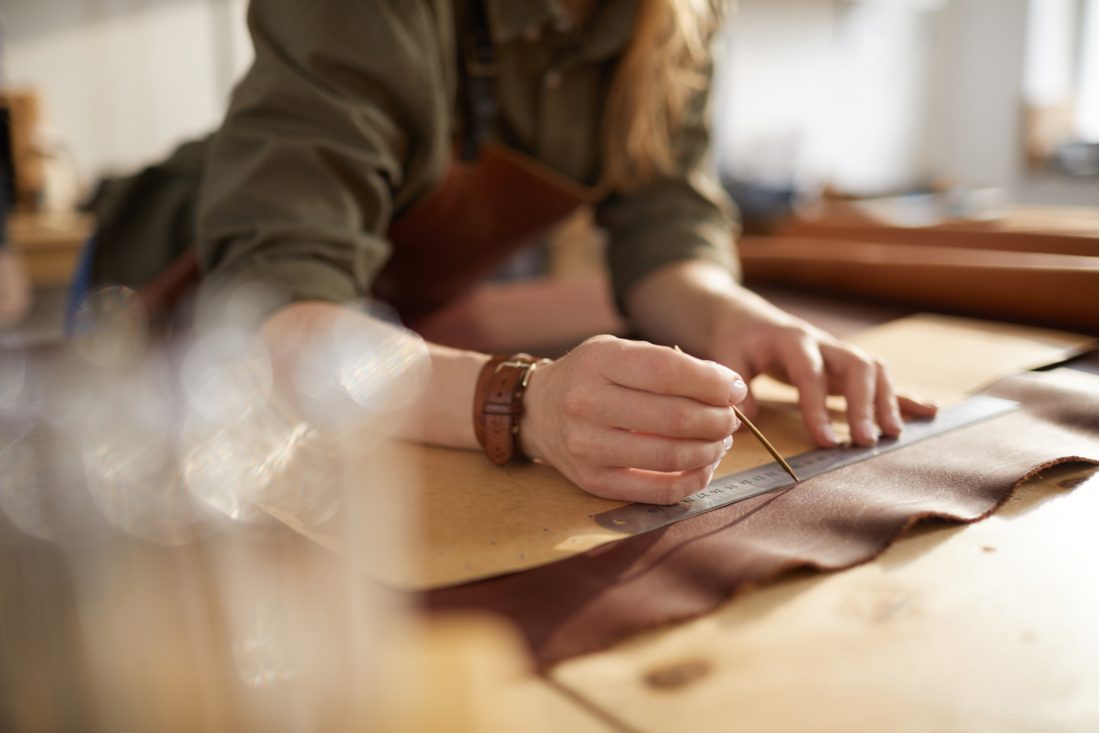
(348,116)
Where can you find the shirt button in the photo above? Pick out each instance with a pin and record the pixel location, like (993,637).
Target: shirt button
(532,33)
(552,80)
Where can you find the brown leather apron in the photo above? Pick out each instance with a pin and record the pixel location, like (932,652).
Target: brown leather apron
(477,217)
(445,244)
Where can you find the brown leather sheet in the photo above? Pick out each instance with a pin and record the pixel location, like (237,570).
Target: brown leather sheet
(836,520)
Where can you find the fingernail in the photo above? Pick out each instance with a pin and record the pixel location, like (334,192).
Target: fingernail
(829,433)
(866,428)
(714,466)
(895,419)
(727,443)
(738,391)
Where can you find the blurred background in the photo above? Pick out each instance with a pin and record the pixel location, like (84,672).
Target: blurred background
(868,96)
(939,108)
(879,97)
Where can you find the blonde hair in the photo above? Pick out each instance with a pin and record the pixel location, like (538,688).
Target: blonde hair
(666,63)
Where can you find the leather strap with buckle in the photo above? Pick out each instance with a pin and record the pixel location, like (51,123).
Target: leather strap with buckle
(498,405)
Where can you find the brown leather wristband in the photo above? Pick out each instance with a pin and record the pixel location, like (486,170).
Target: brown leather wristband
(498,405)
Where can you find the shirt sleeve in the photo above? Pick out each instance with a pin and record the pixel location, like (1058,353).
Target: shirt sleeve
(682,217)
(343,120)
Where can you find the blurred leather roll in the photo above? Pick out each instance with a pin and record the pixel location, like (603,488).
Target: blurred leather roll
(1074,238)
(1048,287)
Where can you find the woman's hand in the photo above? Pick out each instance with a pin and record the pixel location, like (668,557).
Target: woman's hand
(753,337)
(632,421)
(700,306)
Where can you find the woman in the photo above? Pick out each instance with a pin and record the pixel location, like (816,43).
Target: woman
(344,126)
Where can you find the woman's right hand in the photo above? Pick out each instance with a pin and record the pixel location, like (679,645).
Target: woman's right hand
(631,421)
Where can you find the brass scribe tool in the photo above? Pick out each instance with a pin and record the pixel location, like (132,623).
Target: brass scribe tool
(764,441)
(759,436)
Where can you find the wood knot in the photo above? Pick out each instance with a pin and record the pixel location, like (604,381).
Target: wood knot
(678,674)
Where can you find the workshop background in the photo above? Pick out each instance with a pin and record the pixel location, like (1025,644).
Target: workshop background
(928,109)
(870,96)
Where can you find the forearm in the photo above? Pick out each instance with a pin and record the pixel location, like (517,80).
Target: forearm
(440,415)
(693,304)
(622,419)
(444,413)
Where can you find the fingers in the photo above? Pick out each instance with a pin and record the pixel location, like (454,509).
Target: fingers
(744,371)
(630,420)
(886,402)
(804,366)
(622,448)
(872,398)
(915,405)
(637,422)
(859,392)
(649,487)
(818,366)
(673,417)
(660,370)
(749,406)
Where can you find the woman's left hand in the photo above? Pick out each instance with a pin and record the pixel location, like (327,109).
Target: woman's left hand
(753,340)
(699,306)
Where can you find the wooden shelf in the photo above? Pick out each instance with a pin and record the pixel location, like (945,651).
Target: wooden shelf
(50,247)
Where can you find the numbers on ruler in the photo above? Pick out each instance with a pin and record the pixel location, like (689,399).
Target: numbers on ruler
(720,490)
(808,460)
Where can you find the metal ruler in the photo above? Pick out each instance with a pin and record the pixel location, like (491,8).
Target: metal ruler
(637,518)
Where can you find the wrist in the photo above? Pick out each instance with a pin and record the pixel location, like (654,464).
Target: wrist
(684,304)
(743,312)
(499,406)
(533,421)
